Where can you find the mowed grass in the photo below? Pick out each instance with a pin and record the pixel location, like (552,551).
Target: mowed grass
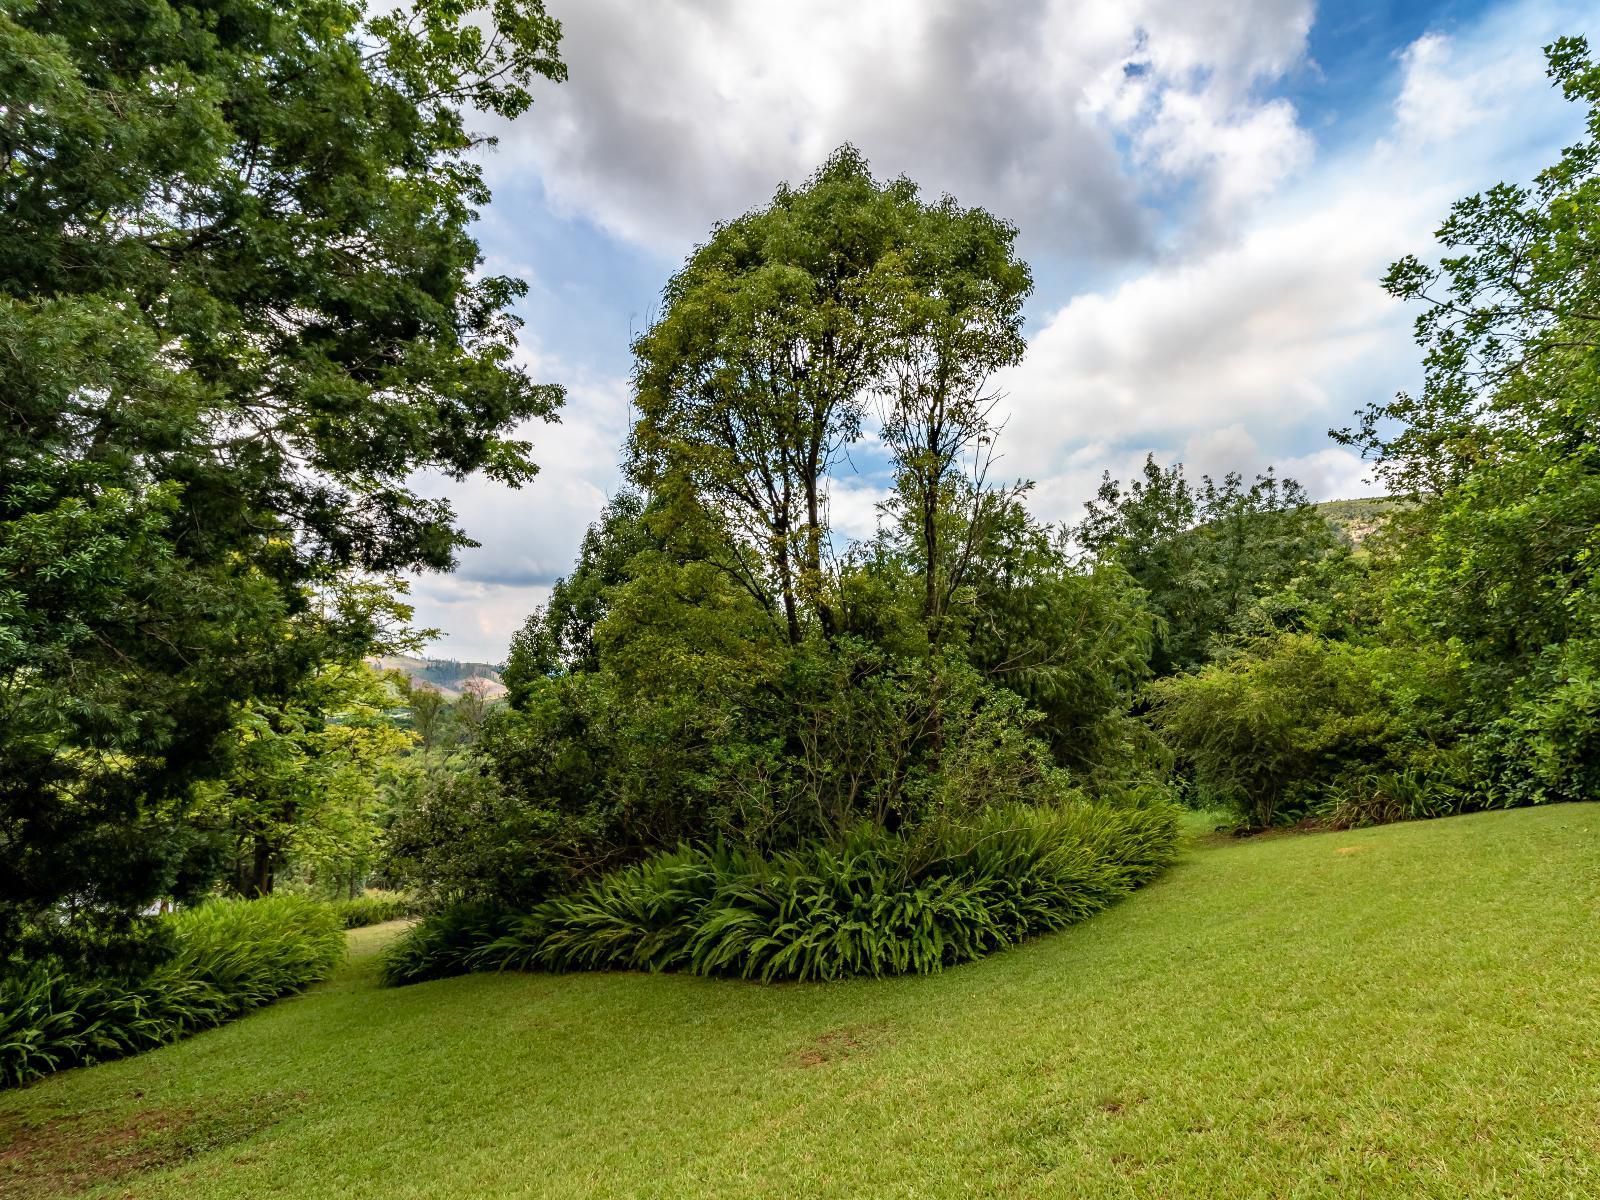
(1406,1011)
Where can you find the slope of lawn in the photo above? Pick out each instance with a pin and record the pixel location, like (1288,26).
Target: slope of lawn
(1407,1011)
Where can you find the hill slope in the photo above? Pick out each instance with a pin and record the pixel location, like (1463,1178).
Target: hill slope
(445,675)
(1406,1011)
(1353,520)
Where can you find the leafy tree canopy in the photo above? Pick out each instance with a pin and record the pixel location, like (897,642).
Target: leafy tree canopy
(241,306)
(1203,553)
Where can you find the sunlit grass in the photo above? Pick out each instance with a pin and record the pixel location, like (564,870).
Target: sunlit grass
(1407,1011)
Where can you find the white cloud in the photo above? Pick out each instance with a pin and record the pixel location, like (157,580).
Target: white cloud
(529,535)
(1282,330)
(679,114)
(1449,90)
(1266,331)
(853,507)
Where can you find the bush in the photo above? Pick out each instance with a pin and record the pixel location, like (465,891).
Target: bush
(875,903)
(1271,729)
(442,944)
(1365,796)
(229,957)
(459,835)
(374,908)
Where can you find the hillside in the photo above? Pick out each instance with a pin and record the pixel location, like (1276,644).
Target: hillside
(445,675)
(1394,1012)
(1356,519)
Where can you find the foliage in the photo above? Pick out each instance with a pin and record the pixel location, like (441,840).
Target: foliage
(373,908)
(560,636)
(303,782)
(442,944)
(1500,451)
(228,957)
(457,834)
(1292,723)
(872,904)
(1074,642)
(242,307)
(1202,554)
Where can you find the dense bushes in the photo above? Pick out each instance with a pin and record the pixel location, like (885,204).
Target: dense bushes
(373,908)
(230,957)
(444,943)
(1292,725)
(875,903)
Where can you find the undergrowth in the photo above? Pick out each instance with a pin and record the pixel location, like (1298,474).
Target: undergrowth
(230,956)
(875,904)
(374,908)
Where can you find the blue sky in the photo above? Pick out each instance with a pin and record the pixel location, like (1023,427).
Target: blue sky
(1207,191)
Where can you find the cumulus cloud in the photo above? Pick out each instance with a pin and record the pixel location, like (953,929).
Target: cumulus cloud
(1269,330)
(853,507)
(528,536)
(679,113)
(1450,90)
(1282,330)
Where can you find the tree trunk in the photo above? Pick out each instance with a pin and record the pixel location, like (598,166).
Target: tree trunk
(813,549)
(791,614)
(260,883)
(930,549)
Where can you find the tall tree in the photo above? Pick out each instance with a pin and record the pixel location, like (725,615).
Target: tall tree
(756,375)
(957,320)
(241,303)
(777,333)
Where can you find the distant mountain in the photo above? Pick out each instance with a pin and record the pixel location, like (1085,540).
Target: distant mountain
(445,675)
(1356,519)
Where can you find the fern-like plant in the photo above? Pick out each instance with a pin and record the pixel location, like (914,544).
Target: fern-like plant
(876,903)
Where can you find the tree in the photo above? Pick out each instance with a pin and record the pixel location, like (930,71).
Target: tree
(1501,450)
(700,677)
(559,636)
(1270,731)
(957,320)
(239,295)
(1203,554)
(1074,642)
(755,377)
(302,787)
(775,335)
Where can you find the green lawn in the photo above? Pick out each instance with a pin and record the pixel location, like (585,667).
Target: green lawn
(1408,1011)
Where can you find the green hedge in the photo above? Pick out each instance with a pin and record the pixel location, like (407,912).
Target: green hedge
(374,908)
(230,956)
(876,904)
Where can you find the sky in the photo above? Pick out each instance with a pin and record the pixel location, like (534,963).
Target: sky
(1208,193)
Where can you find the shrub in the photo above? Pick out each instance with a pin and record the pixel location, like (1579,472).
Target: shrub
(459,835)
(374,908)
(874,903)
(442,944)
(1268,730)
(1370,796)
(229,957)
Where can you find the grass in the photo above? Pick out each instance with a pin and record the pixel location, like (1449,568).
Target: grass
(1403,1011)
